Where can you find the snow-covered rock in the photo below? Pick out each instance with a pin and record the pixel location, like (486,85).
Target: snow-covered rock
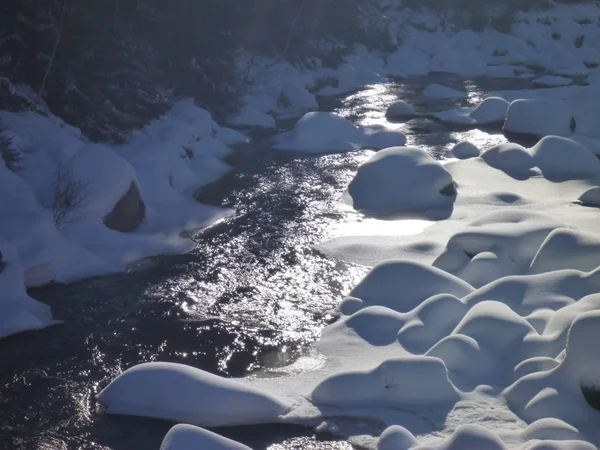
(552,81)
(401,180)
(539,117)
(465,150)
(402,285)
(567,249)
(513,159)
(319,132)
(400,110)
(436,91)
(380,137)
(591,197)
(396,383)
(182,393)
(562,157)
(188,437)
(297,98)
(252,117)
(491,110)
(496,245)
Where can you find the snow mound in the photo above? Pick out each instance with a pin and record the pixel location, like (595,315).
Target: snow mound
(395,383)
(465,150)
(437,91)
(319,132)
(403,285)
(497,244)
(513,159)
(591,197)
(538,117)
(552,81)
(560,393)
(491,110)
(567,249)
(401,180)
(188,437)
(400,110)
(298,98)
(593,145)
(379,137)
(557,156)
(182,393)
(252,117)
(553,156)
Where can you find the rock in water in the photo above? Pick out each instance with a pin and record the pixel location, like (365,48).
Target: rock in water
(128,213)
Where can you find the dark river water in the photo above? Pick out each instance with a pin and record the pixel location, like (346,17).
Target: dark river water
(254,294)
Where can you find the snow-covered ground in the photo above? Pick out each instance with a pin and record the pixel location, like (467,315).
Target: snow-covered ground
(76,209)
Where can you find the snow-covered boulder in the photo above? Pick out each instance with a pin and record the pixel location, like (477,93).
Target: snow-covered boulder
(591,197)
(539,117)
(403,285)
(110,186)
(593,145)
(189,437)
(183,393)
(378,137)
(561,157)
(497,244)
(490,111)
(567,249)
(552,81)
(408,60)
(297,98)
(437,91)
(465,150)
(587,120)
(318,132)
(396,383)
(400,110)
(401,180)
(252,117)
(514,159)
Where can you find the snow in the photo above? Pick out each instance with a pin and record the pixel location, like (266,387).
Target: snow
(590,197)
(181,393)
(18,311)
(401,180)
(319,132)
(491,110)
(552,81)
(188,437)
(587,120)
(378,137)
(252,117)
(465,150)
(557,156)
(436,91)
(567,249)
(298,98)
(538,117)
(166,162)
(400,109)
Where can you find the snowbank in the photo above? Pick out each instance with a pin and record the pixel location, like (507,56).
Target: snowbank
(401,180)
(552,81)
(182,393)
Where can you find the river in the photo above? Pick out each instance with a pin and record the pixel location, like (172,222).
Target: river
(254,294)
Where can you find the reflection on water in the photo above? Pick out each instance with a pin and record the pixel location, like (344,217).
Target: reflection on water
(253,295)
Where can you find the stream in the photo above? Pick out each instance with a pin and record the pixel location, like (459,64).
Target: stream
(253,295)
